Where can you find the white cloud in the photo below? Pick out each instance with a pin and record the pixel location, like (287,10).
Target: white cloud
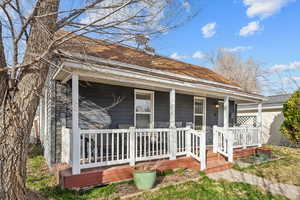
(291,66)
(176,56)
(209,30)
(199,54)
(237,49)
(250,29)
(264,8)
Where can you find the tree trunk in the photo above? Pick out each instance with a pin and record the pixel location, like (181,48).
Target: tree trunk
(3,74)
(21,107)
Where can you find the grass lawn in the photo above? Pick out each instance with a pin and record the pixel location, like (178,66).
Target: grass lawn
(284,170)
(42,183)
(207,189)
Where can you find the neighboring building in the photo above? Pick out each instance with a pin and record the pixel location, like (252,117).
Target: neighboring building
(272,118)
(173,108)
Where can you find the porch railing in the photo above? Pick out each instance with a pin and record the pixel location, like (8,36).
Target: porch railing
(244,136)
(198,141)
(151,144)
(222,142)
(227,139)
(105,147)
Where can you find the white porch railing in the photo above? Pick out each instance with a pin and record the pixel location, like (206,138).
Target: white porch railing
(104,147)
(151,144)
(225,140)
(119,146)
(245,137)
(196,151)
(222,142)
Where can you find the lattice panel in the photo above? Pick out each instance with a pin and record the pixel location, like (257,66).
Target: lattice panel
(247,121)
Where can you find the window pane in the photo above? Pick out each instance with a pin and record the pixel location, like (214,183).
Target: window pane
(198,122)
(199,104)
(143,103)
(143,121)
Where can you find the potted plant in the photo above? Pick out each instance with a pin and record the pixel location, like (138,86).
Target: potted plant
(144,176)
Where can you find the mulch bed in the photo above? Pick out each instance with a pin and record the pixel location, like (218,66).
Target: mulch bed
(129,189)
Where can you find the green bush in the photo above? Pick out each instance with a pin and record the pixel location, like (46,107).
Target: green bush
(291,123)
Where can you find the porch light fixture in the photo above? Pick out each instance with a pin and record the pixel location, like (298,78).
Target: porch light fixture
(217,105)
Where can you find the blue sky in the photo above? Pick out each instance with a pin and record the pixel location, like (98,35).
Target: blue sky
(271,35)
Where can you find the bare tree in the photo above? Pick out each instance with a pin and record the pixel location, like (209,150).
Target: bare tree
(281,81)
(246,73)
(27,47)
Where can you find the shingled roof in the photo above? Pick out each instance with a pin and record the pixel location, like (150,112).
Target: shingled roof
(116,52)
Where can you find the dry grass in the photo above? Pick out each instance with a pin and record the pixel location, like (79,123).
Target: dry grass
(43,186)
(206,189)
(284,170)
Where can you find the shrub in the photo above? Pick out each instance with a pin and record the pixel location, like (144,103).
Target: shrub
(291,123)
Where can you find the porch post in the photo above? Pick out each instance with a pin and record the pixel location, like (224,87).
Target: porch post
(203,151)
(75,126)
(226,112)
(132,145)
(259,123)
(226,127)
(188,141)
(215,139)
(173,134)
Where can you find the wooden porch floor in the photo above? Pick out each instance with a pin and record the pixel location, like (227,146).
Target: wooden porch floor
(103,175)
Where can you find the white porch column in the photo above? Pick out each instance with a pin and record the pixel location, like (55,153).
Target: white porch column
(172,108)
(226,126)
(215,139)
(173,137)
(226,112)
(132,139)
(203,151)
(259,124)
(75,148)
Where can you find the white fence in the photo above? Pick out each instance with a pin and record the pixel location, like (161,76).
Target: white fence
(119,146)
(225,140)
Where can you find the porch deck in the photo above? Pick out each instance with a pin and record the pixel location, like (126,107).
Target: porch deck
(103,175)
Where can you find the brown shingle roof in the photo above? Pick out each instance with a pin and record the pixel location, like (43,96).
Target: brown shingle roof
(129,55)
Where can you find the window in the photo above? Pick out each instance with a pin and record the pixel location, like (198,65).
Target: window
(199,113)
(144,103)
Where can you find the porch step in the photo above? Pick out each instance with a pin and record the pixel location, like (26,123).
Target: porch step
(214,156)
(217,165)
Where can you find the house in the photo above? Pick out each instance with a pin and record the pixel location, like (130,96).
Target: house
(272,118)
(109,107)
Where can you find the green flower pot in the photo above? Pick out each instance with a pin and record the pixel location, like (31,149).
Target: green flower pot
(144,180)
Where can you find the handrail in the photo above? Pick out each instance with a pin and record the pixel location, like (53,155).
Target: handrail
(227,139)
(223,143)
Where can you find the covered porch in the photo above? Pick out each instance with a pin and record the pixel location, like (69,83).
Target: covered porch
(146,140)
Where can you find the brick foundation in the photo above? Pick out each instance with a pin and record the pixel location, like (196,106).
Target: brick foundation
(98,176)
